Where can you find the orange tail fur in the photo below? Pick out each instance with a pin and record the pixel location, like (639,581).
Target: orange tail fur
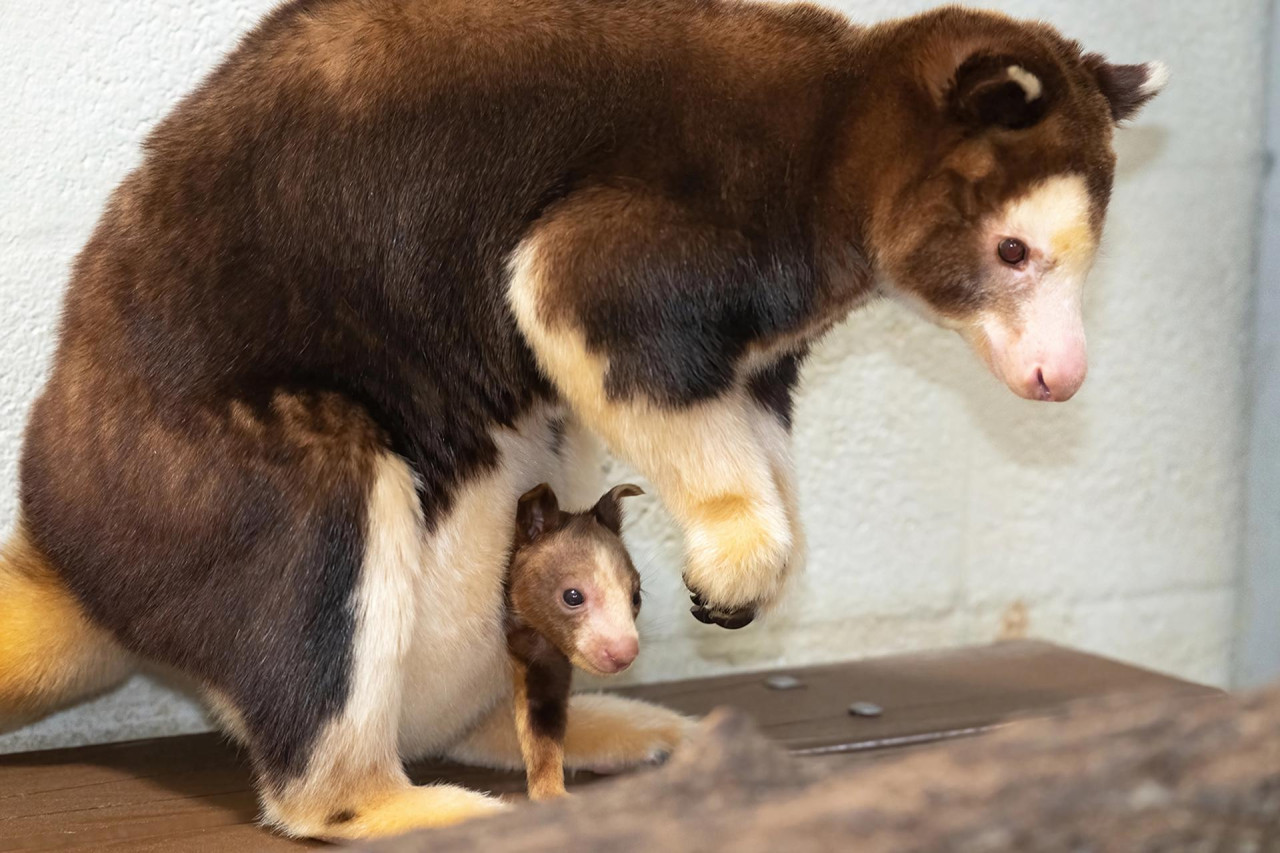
(51,655)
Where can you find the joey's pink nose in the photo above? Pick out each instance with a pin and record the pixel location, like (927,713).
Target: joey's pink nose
(618,654)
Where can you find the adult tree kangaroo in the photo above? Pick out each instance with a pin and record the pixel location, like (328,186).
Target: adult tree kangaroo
(390,253)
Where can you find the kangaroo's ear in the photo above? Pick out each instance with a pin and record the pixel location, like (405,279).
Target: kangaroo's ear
(1127,87)
(608,511)
(997,90)
(537,513)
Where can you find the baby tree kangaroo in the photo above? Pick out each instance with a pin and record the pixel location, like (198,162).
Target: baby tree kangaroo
(572,599)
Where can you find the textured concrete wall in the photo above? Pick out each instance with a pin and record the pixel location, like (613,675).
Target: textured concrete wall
(940,509)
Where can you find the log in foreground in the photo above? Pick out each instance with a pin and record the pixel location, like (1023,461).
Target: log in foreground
(1125,775)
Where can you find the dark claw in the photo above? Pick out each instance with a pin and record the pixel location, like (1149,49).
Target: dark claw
(734,621)
(701,614)
(731,619)
(696,598)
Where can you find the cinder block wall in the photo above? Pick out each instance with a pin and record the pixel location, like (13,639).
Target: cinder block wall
(940,510)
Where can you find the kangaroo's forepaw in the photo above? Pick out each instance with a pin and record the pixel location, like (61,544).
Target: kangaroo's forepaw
(738,551)
(732,618)
(737,559)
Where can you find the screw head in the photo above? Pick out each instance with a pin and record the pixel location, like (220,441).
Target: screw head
(865,709)
(783,682)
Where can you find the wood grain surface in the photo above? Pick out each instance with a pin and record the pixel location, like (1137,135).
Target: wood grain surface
(194,793)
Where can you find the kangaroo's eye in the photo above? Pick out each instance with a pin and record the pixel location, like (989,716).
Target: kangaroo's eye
(1012,251)
(635,599)
(573,598)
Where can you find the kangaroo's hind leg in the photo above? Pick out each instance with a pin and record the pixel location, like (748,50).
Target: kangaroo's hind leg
(353,784)
(267,550)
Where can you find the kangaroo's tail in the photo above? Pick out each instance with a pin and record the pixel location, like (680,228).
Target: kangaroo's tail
(51,655)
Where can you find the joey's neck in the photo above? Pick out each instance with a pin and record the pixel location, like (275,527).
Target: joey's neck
(531,647)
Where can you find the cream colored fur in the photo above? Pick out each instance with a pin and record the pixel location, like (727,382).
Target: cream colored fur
(1157,79)
(605,734)
(457,666)
(355,766)
(430,658)
(50,653)
(775,440)
(1029,82)
(1053,220)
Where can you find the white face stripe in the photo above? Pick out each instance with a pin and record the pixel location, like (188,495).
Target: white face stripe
(1043,341)
(1053,220)
(612,581)
(609,619)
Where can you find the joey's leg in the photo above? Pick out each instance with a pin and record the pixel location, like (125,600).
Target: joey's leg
(540,699)
(603,733)
(660,390)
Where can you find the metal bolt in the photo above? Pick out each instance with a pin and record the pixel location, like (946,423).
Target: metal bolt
(783,682)
(865,709)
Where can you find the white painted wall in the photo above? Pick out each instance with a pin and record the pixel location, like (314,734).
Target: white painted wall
(941,510)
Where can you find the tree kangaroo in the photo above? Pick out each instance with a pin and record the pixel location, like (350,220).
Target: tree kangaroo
(372,272)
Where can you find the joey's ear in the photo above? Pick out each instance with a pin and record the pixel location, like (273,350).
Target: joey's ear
(608,511)
(1127,87)
(537,513)
(998,90)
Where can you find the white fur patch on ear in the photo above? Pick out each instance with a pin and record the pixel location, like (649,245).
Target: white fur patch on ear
(1029,82)
(1157,79)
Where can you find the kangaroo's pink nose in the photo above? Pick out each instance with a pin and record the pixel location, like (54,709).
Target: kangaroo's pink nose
(1057,380)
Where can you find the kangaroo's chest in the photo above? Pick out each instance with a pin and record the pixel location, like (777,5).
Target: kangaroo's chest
(456,668)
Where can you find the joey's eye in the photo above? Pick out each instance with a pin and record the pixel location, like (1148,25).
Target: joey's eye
(635,599)
(573,598)
(1012,251)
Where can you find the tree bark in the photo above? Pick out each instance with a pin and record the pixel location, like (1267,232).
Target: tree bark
(1124,775)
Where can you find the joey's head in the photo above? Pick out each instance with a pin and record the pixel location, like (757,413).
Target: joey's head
(572,580)
(988,218)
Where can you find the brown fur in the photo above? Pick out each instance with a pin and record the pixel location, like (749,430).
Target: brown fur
(540,701)
(551,549)
(315,274)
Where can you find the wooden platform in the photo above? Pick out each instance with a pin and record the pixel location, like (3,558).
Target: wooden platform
(193,793)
